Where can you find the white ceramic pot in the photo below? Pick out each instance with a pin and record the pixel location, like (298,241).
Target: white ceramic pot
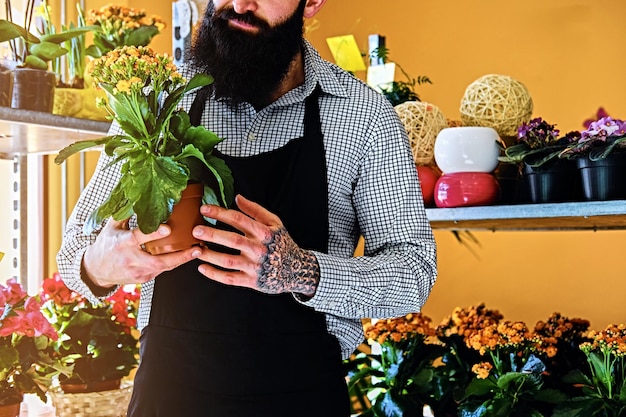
(467,149)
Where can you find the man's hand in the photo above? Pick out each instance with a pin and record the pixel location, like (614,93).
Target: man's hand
(268,261)
(116,257)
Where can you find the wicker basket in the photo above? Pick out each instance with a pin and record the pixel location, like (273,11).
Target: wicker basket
(112,403)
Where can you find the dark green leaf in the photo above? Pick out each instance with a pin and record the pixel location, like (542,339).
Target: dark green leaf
(576,376)
(479,387)
(141,36)
(225,179)
(158,183)
(602,372)
(578,407)
(79,146)
(552,396)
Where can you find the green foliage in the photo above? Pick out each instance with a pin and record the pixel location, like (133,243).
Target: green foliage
(99,342)
(397,382)
(38,51)
(159,152)
(474,364)
(400,91)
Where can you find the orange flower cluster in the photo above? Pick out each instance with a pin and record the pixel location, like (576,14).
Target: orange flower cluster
(504,335)
(556,328)
(466,321)
(120,19)
(482,369)
(400,328)
(611,340)
(129,69)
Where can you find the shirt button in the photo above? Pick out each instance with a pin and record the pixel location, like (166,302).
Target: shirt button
(251,137)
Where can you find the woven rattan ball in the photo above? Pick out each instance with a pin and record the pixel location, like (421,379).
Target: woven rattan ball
(496,101)
(422,122)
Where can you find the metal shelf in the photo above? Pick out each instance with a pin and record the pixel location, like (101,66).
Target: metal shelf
(25,132)
(590,215)
(25,137)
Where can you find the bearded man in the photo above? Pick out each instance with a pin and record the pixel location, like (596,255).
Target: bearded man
(319,159)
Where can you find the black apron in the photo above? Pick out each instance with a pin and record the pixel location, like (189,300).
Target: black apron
(220,351)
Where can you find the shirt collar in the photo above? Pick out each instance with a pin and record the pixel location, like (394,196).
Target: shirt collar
(319,71)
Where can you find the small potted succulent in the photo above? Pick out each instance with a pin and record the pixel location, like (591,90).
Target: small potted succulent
(536,151)
(158,152)
(600,155)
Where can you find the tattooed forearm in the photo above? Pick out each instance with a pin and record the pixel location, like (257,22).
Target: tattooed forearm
(287,267)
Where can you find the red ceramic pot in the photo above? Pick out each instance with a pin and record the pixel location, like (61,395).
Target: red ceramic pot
(463,189)
(428,178)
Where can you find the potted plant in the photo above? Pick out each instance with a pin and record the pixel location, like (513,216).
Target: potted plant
(33,82)
(159,153)
(536,151)
(99,342)
(118,26)
(26,350)
(121,26)
(399,92)
(602,384)
(397,379)
(600,155)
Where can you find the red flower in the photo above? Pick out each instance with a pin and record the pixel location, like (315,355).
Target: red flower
(55,289)
(29,322)
(13,292)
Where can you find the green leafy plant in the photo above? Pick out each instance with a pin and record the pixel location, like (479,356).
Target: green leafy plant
(398,381)
(31,51)
(76,50)
(26,351)
(602,384)
(476,364)
(400,91)
(99,342)
(509,380)
(159,151)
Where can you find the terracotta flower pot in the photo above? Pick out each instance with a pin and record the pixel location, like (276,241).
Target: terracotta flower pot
(185,216)
(91,387)
(10,410)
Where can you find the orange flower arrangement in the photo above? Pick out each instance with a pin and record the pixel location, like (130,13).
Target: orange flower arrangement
(122,26)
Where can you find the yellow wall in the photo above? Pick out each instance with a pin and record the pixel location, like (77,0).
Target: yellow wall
(567,53)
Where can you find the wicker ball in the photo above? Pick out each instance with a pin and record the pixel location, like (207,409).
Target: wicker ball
(422,122)
(496,101)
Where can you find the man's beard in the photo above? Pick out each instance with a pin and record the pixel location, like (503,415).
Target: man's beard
(246,67)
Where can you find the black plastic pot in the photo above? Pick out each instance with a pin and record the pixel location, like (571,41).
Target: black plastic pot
(604,179)
(553,182)
(33,89)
